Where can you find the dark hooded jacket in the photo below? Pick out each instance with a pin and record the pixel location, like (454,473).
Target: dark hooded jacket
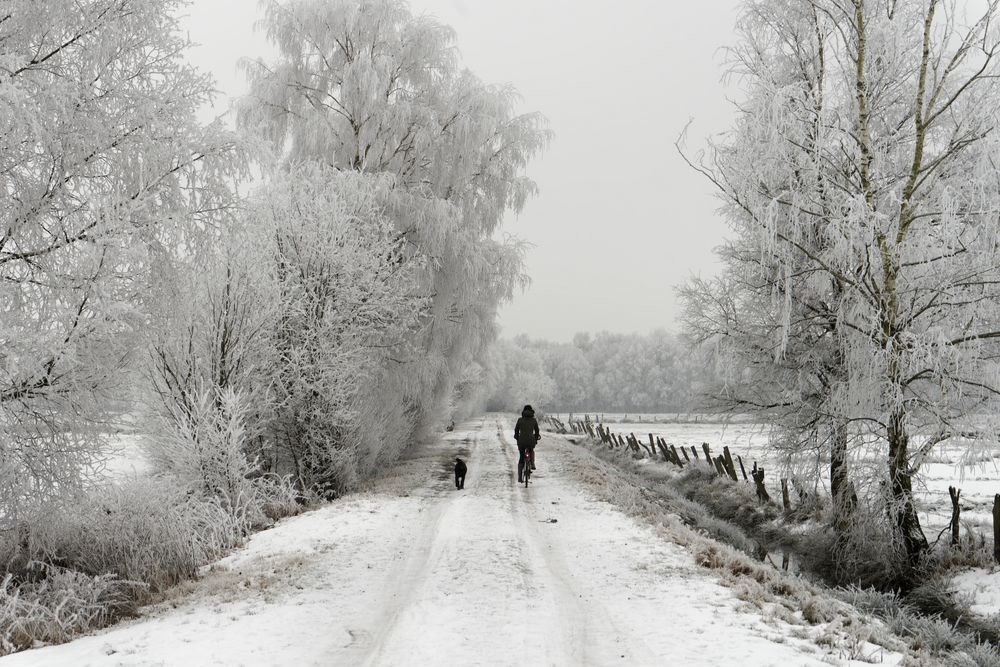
(526,429)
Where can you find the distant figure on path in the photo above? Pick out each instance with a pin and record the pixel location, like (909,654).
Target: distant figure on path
(460,470)
(527,435)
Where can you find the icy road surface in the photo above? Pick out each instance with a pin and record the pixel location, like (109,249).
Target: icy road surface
(415,572)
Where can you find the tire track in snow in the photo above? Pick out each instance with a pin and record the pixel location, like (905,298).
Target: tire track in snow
(471,600)
(588,630)
(405,582)
(485,581)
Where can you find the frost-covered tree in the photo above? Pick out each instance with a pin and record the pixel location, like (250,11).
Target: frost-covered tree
(369,88)
(570,371)
(520,378)
(102,161)
(864,187)
(296,312)
(348,300)
(212,338)
(605,372)
(772,323)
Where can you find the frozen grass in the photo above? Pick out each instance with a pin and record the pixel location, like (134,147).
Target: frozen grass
(651,492)
(144,530)
(930,634)
(83,563)
(77,568)
(61,604)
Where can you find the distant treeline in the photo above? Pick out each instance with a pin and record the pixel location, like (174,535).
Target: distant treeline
(606,371)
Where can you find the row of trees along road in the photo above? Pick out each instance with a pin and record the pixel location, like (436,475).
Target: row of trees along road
(307,322)
(858,309)
(603,372)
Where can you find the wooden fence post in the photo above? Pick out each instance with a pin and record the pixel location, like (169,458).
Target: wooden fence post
(663,449)
(742,469)
(728,460)
(720,466)
(955,511)
(758,480)
(996,527)
(677,457)
(708,453)
(694,451)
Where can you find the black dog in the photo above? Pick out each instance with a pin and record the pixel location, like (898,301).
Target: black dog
(460,470)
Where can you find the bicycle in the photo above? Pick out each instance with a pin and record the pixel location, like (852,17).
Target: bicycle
(529,460)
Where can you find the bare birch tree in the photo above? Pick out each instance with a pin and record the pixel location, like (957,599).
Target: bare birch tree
(880,203)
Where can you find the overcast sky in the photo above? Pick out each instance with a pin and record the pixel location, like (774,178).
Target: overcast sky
(620,220)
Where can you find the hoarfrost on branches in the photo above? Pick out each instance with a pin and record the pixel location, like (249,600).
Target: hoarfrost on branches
(368,88)
(861,184)
(101,160)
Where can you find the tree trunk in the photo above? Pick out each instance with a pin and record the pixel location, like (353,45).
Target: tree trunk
(842,492)
(901,483)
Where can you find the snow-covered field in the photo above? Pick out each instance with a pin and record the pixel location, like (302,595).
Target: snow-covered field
(979,481)
(415,572)
(126,456)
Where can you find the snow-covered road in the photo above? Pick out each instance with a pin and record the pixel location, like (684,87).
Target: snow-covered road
(415,572)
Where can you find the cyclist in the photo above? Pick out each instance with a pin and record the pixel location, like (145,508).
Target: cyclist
(527,435)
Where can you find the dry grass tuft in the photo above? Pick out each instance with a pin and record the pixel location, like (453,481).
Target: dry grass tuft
(59,605)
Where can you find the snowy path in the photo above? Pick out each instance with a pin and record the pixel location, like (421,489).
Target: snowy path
(415,572)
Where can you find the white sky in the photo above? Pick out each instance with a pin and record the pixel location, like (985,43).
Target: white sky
(620,220)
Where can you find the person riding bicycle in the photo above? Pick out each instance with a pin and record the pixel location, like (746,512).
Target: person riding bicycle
(527,435)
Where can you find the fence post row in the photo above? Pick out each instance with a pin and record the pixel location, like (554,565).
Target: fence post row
(724,466)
